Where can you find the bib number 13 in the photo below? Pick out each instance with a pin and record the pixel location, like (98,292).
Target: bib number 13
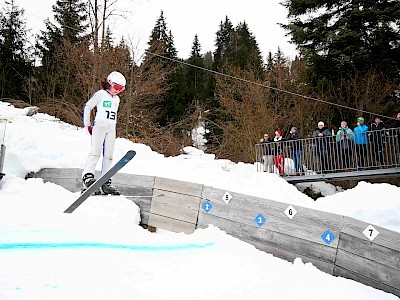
(111,115)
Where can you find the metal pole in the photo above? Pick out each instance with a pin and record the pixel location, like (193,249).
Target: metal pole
(2,155)
(2,150)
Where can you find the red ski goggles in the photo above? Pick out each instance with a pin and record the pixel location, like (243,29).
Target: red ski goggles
(118,87)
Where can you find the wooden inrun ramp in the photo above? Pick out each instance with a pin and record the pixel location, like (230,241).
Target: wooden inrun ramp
(336,244)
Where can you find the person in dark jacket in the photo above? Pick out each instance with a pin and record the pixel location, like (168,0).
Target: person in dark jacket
(377,137)
(321,134)
(397,123)
(296,149)
(267,153)
(397,126)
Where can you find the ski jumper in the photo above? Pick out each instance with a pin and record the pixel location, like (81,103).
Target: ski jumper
(103,132)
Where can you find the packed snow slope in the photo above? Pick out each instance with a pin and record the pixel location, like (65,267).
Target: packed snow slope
(41,141)
(100,251)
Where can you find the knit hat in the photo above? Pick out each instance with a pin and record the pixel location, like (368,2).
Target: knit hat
(321,123)
(293,129)
(361,119)
(377,118)
(278,132)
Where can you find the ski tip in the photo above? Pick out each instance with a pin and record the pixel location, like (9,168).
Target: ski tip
(131,153)
(69,210)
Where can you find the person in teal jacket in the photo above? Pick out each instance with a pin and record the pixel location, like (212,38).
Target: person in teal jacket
(361,139)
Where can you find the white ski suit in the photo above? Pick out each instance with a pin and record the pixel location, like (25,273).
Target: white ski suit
(103,132)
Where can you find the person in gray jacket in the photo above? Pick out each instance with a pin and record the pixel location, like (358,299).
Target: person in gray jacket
(345,138)
(322,145)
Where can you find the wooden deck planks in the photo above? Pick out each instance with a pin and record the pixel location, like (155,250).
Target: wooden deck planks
(177,210)
(386,238)
(351,255)
(375,262)
(170,224)
(278,240)
(180,187)
(363,268)
(324,266)
(282,224)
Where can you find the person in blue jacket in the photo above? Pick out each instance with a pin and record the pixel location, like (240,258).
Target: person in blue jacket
(361,139)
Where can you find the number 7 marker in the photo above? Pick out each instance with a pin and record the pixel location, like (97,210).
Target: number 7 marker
(371,232)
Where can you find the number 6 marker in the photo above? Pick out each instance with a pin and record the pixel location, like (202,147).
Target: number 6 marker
(290,212)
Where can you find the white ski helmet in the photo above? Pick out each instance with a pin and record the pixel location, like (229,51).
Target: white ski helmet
(116,77)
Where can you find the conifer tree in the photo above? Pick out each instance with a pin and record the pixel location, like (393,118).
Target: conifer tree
(175,102)
(270,61)
(242,50)
(15,62)
(224,35)
(158,41)
(237,48)
(197,78)
(341,38)
(72,18)
(56,44)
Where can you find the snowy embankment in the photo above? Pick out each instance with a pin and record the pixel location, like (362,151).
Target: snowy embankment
(100,251)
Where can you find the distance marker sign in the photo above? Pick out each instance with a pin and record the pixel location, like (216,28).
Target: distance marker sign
(328,237)
(207,206)
(227,197)
(290,212)
(371,232)
(260,220)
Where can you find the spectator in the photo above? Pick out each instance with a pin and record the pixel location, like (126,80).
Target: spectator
(377,136)
(296,149)
(322,151)
(345,138)
(279,156)
(397,126)
(397,123)
(267,154)
(360,139)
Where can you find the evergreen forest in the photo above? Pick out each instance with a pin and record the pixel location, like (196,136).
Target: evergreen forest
(348,66)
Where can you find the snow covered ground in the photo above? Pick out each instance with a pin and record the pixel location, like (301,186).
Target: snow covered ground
(100,251)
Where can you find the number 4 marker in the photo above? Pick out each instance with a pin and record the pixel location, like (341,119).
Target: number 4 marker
(371,232)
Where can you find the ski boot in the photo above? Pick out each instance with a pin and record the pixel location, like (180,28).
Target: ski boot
(108,189)
(88,180)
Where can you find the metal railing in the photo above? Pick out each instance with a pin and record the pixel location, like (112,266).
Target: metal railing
(330,154)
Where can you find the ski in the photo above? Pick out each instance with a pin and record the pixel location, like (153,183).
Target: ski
(102,180)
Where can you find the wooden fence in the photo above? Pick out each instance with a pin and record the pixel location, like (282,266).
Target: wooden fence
(335,244)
